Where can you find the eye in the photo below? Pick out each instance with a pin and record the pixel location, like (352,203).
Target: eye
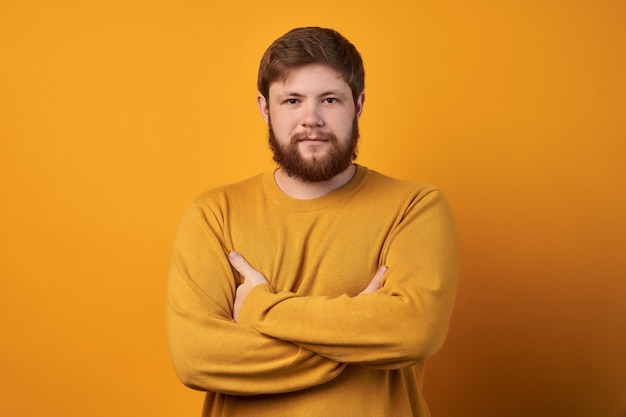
(330,100)
(291,101)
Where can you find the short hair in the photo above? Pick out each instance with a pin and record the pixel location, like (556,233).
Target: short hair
(311,45)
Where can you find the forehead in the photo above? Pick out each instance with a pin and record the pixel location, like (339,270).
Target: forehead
(310,80)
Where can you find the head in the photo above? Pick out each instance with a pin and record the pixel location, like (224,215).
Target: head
(312,45)
(305,63)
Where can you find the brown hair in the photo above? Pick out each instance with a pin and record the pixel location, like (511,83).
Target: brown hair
(311,45)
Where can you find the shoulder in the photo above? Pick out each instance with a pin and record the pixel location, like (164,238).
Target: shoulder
(385,185)
(213,205)
(224,193)
(415,203)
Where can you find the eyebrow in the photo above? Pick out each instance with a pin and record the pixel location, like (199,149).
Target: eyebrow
(324,94)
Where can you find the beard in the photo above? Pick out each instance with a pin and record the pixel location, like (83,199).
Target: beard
(317,168)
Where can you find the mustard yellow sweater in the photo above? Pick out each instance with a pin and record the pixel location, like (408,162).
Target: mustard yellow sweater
(307,344)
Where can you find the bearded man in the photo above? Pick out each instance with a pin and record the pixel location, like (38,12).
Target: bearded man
(318,289)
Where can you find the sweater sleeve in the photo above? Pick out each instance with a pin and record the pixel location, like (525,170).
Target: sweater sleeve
(210,352)
(399,325)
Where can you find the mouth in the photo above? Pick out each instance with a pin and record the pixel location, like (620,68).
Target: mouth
(313,140)
(312,137)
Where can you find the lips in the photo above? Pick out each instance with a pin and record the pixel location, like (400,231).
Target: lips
(312,140)
(316,137)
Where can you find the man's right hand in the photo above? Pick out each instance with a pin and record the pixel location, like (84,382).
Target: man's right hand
(251,277)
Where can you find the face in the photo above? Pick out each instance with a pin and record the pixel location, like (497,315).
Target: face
(313,123)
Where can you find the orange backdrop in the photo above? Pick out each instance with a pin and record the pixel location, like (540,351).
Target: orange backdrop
(114,114)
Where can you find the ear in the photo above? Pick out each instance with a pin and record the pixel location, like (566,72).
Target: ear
(358,106)
(263,108)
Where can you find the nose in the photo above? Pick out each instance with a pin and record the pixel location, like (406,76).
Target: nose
(311,115)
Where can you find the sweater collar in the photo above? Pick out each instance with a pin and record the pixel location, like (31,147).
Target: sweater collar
(340,194)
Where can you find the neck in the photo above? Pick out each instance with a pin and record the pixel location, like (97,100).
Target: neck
(300,190)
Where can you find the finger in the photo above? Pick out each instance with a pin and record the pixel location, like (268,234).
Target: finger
(380,273)
(249,274)
(239,263)
(376,282)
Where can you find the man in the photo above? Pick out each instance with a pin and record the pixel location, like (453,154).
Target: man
(318,289)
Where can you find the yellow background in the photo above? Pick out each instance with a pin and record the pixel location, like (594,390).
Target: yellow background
(114,114)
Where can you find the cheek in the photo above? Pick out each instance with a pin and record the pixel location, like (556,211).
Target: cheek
(283,122)
(342,124)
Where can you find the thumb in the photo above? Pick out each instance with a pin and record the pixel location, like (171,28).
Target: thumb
(376,282)
(245,269)
(238,262)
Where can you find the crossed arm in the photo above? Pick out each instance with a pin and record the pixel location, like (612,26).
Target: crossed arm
(252,278)
(248,340)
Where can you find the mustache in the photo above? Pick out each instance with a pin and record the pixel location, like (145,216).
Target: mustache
(317,135)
